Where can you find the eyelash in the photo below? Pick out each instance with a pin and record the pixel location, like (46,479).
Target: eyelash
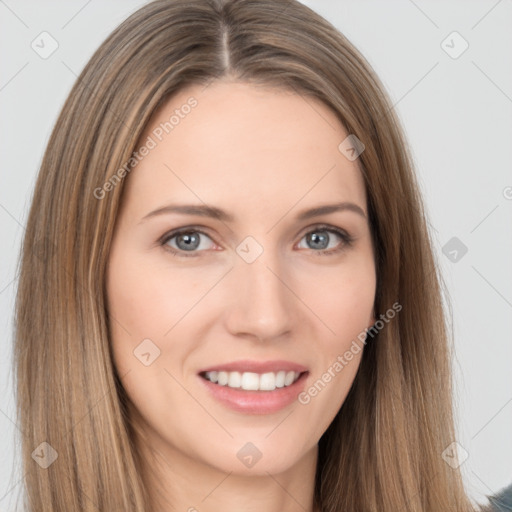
(347,240)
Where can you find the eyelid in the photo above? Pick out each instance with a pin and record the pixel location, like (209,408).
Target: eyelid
(346,238)
(180,231)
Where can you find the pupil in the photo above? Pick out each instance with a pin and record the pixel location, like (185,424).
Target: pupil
(189,241)
(319,239)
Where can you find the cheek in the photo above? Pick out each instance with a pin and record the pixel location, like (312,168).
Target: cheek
(142,310)
(342,297)
(343,301)
(136,313)
(148,301)
(143,299)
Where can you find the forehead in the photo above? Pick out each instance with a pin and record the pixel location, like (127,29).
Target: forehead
(249,147)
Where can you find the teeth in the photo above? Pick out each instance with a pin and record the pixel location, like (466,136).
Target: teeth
(280,378)
(234,380)
(250,381)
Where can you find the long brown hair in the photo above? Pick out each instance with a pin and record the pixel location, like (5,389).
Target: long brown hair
(383,451)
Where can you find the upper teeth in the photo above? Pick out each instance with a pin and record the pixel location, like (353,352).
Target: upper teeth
(253,381)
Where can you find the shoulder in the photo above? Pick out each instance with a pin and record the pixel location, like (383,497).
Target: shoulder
(502,501)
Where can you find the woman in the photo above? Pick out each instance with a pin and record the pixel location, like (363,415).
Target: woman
(262,370)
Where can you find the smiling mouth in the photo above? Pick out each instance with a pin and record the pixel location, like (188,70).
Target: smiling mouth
(250,381)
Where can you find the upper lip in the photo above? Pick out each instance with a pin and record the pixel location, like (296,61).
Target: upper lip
(247,365)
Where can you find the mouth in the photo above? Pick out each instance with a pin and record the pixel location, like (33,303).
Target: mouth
(252,381)
(253,392)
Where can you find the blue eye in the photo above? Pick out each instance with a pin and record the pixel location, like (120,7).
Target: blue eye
(321,241)
(188,240)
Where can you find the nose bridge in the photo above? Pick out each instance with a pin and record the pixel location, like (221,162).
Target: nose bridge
(263,304)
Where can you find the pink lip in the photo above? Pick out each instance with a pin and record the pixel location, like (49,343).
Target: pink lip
(247,365)
(256,402)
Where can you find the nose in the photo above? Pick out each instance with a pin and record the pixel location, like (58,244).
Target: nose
(263,305)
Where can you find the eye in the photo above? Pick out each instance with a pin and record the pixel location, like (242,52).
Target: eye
(187,240)
(320,242)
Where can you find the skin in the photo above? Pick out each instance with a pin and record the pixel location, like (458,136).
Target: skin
(263,155)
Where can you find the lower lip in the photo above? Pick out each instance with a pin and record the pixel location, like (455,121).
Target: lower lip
(256,402)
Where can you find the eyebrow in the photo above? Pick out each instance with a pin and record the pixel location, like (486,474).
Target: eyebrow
(219,214)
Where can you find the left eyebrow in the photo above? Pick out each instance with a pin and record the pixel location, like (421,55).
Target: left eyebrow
(330,208)
(219,214)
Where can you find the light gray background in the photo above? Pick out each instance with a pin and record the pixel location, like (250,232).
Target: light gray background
(457,116)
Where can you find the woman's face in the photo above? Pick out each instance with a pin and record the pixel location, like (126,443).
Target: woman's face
(255,289)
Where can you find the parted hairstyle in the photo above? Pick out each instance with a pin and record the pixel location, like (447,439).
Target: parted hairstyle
(383,450)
